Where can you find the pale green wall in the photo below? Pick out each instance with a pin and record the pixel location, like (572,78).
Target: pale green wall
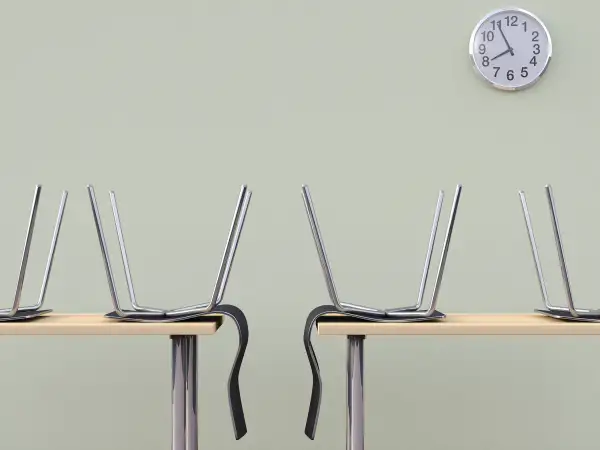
(374,105)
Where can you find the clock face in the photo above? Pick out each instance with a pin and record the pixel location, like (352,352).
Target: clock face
(510,48)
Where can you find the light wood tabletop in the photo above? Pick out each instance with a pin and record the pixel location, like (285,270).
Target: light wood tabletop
(463,324)
(97,325)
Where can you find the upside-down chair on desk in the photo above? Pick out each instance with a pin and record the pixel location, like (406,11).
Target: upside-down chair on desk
(341,311)
(184,347)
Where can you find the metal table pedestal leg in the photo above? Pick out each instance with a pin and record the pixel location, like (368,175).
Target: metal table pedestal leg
(191,393)
(184,392)
(355,423)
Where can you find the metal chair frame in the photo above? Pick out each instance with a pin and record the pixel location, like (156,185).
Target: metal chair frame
(411,311)
(152,313)
(18,312)
(562,312)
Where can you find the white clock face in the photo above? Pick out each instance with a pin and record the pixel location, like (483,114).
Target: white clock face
(510,48)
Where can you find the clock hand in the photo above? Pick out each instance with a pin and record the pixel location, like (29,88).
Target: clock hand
(502,54)
(506,41)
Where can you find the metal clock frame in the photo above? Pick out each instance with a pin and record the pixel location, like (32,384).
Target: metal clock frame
(472,55)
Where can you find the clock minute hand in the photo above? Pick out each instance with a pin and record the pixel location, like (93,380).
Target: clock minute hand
(506,40)
(502,54)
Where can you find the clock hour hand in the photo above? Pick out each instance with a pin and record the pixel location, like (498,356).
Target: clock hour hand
(502,54)
(506,41)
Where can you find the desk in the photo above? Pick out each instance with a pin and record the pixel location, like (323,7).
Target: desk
(453,325)
(184,355)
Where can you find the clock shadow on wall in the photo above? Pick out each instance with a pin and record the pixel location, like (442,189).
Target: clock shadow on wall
(510,49)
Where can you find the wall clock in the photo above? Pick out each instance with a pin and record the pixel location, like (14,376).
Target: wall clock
(510,48)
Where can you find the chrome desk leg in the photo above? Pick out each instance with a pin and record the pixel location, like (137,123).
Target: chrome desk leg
(355,419)
(191,393)
(184,392)
(178,397)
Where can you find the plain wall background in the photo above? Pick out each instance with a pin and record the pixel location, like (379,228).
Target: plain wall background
(376,106)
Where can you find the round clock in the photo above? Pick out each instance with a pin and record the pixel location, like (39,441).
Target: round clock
(510,48)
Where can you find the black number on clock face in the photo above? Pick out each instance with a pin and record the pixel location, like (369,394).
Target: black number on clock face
(487,36)
(512,21)
(481,49)
(535,35)
(496,24)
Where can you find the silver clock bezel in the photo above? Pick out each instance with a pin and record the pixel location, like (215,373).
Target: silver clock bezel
(472,54)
